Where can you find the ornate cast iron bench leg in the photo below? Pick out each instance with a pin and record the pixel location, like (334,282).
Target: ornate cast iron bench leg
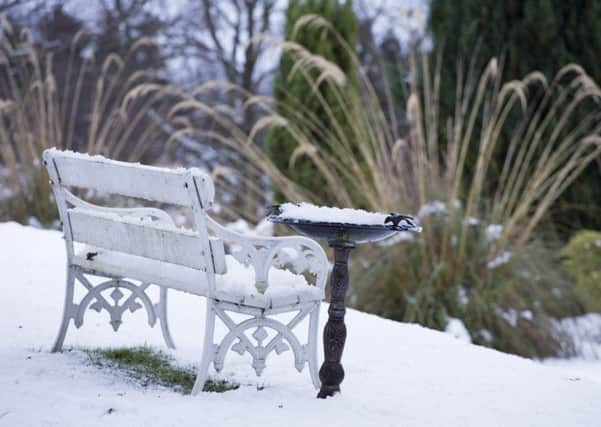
(116,303)
(208,348)
(161,310)
(259,344)
(67,311)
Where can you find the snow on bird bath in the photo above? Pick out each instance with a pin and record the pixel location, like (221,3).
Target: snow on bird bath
(309,212)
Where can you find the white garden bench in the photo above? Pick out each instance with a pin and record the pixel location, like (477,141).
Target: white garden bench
(134,248)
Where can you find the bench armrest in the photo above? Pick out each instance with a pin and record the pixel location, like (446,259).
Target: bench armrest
(296,253)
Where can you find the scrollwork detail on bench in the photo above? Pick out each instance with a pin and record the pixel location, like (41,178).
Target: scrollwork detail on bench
(239,342)
(96,301)
(115,302)
(297,254)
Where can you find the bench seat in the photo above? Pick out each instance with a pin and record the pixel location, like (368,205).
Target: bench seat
(237,286)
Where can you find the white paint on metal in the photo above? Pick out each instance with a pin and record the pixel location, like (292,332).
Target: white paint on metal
(127,245)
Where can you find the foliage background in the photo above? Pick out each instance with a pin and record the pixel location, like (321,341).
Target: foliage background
(542,35)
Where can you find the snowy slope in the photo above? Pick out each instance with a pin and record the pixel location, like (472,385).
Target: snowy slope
(397,374)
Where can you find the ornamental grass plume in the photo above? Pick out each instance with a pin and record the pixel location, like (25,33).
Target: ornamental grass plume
(94,108)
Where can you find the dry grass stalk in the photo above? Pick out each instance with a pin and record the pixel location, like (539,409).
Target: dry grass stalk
(37,114)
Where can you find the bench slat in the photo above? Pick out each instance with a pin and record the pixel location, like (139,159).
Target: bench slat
(127,179)
(145,240)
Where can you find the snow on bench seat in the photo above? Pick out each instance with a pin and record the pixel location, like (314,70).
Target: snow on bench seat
(236,286)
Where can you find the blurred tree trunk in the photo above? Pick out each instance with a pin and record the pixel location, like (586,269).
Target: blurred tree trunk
(224,33)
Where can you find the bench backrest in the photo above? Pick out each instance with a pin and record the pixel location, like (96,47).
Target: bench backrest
(129,179)
(112,230)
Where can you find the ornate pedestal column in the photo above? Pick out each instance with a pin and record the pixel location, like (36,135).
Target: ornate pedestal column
(331,373)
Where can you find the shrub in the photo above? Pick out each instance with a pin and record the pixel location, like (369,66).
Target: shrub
(582,258)
(506,303)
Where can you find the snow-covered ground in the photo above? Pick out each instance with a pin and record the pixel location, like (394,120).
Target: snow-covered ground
(396,374)
(578,368)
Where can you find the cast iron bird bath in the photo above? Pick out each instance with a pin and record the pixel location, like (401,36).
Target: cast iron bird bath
(343,237)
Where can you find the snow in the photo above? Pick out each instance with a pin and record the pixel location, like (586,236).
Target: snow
(456,328)
(510,315)
(133,219)
(396,374)
(472,221)
(577,369)
(493,232)
(401,236)
(485,333)
(99,158)
(585,332)
(262,229)
(309,212)
(462,295)
(237,285)
(503,258)
(435,207)
(527,314)
(6,193)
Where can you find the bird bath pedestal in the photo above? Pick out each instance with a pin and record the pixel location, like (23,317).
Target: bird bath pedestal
(343,237)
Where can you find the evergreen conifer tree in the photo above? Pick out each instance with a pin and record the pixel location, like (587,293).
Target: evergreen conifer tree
(297,90)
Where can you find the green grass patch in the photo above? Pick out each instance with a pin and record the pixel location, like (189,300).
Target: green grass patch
(153,367)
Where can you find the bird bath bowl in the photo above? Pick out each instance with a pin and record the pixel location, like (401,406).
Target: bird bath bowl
(332,231)
(343,229)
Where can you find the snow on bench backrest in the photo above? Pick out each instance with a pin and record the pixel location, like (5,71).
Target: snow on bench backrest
(111,229)
(136,237)
(130,179)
